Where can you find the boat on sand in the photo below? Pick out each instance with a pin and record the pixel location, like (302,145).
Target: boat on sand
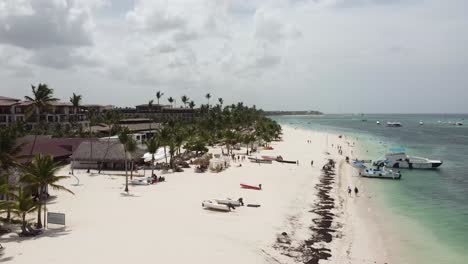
(213,205)
(229,201)
(246,186)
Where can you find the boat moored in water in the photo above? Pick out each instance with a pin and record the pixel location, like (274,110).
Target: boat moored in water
(380,174)
(397,158)
(394,124)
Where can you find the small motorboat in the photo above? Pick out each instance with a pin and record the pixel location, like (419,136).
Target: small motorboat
(213,205)
(380,173)
(231,202)
(421,123)
(141,181)
(378,122)
(246,186)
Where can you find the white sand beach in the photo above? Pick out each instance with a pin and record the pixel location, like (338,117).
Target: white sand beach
(165,222)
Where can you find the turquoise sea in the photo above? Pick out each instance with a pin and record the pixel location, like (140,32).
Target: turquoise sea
(428,209)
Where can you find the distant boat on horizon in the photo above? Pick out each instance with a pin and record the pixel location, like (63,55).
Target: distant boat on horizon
(394,124)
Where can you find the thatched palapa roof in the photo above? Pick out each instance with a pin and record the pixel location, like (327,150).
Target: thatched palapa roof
(112,151)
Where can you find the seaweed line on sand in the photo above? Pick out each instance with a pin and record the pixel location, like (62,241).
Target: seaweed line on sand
(312,250)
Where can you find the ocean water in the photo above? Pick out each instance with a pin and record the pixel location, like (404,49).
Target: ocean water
(428,208)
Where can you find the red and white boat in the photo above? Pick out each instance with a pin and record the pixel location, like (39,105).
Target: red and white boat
(246,186)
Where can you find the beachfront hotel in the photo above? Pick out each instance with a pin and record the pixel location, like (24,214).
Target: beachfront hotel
(14,110)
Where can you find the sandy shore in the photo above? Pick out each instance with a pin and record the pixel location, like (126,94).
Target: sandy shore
(165,222)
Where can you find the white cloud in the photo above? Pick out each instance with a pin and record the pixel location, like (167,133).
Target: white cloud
(237,49)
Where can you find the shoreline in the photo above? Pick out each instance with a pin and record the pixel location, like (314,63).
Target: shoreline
(165,222)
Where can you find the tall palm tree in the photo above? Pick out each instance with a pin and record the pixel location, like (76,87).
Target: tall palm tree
(152,146)
(171,100)
(111,118)
(8,151)
(39,175)
(129,146)
(221,101)
(159,94)
(23,205)
(42,99)
(76,102)
(165,138)
(185,100)
(150,110)
(191,104)
(208,96)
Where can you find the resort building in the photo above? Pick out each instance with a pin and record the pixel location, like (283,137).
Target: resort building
(159,112)
(14,110)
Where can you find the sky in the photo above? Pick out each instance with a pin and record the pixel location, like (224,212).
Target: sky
(336,56)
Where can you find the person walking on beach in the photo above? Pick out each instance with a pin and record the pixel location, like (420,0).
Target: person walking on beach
(349,191)
(356,191)
(312,163)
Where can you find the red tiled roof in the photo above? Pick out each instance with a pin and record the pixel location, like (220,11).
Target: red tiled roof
(58,148)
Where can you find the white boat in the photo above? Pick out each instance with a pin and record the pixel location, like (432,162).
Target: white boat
(141,181)
(380,174)
(397,158)
(394,124)
(229,201)
(358,164)
(378,122)
(213,205)
(421,123)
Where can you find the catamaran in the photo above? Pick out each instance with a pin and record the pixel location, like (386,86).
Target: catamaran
(397,158)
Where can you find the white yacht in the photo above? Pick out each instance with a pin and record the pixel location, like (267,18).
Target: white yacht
(397,158)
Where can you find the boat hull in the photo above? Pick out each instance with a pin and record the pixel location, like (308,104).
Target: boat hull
(245,186)
(413,165)
(210,205)
(378,174)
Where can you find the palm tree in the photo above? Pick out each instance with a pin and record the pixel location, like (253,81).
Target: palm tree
(185,100)
(152,146)
(41,100)
(221,101)
(111,118)
(150,109)
(165,138)
(23,205)
(192,104)
(39,175)
(8,151)
(129,145)
(171,100)
(76,102)
(159,94)
(208,96)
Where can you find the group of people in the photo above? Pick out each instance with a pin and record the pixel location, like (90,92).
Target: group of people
(237,158)
(155,179)
(356,191)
